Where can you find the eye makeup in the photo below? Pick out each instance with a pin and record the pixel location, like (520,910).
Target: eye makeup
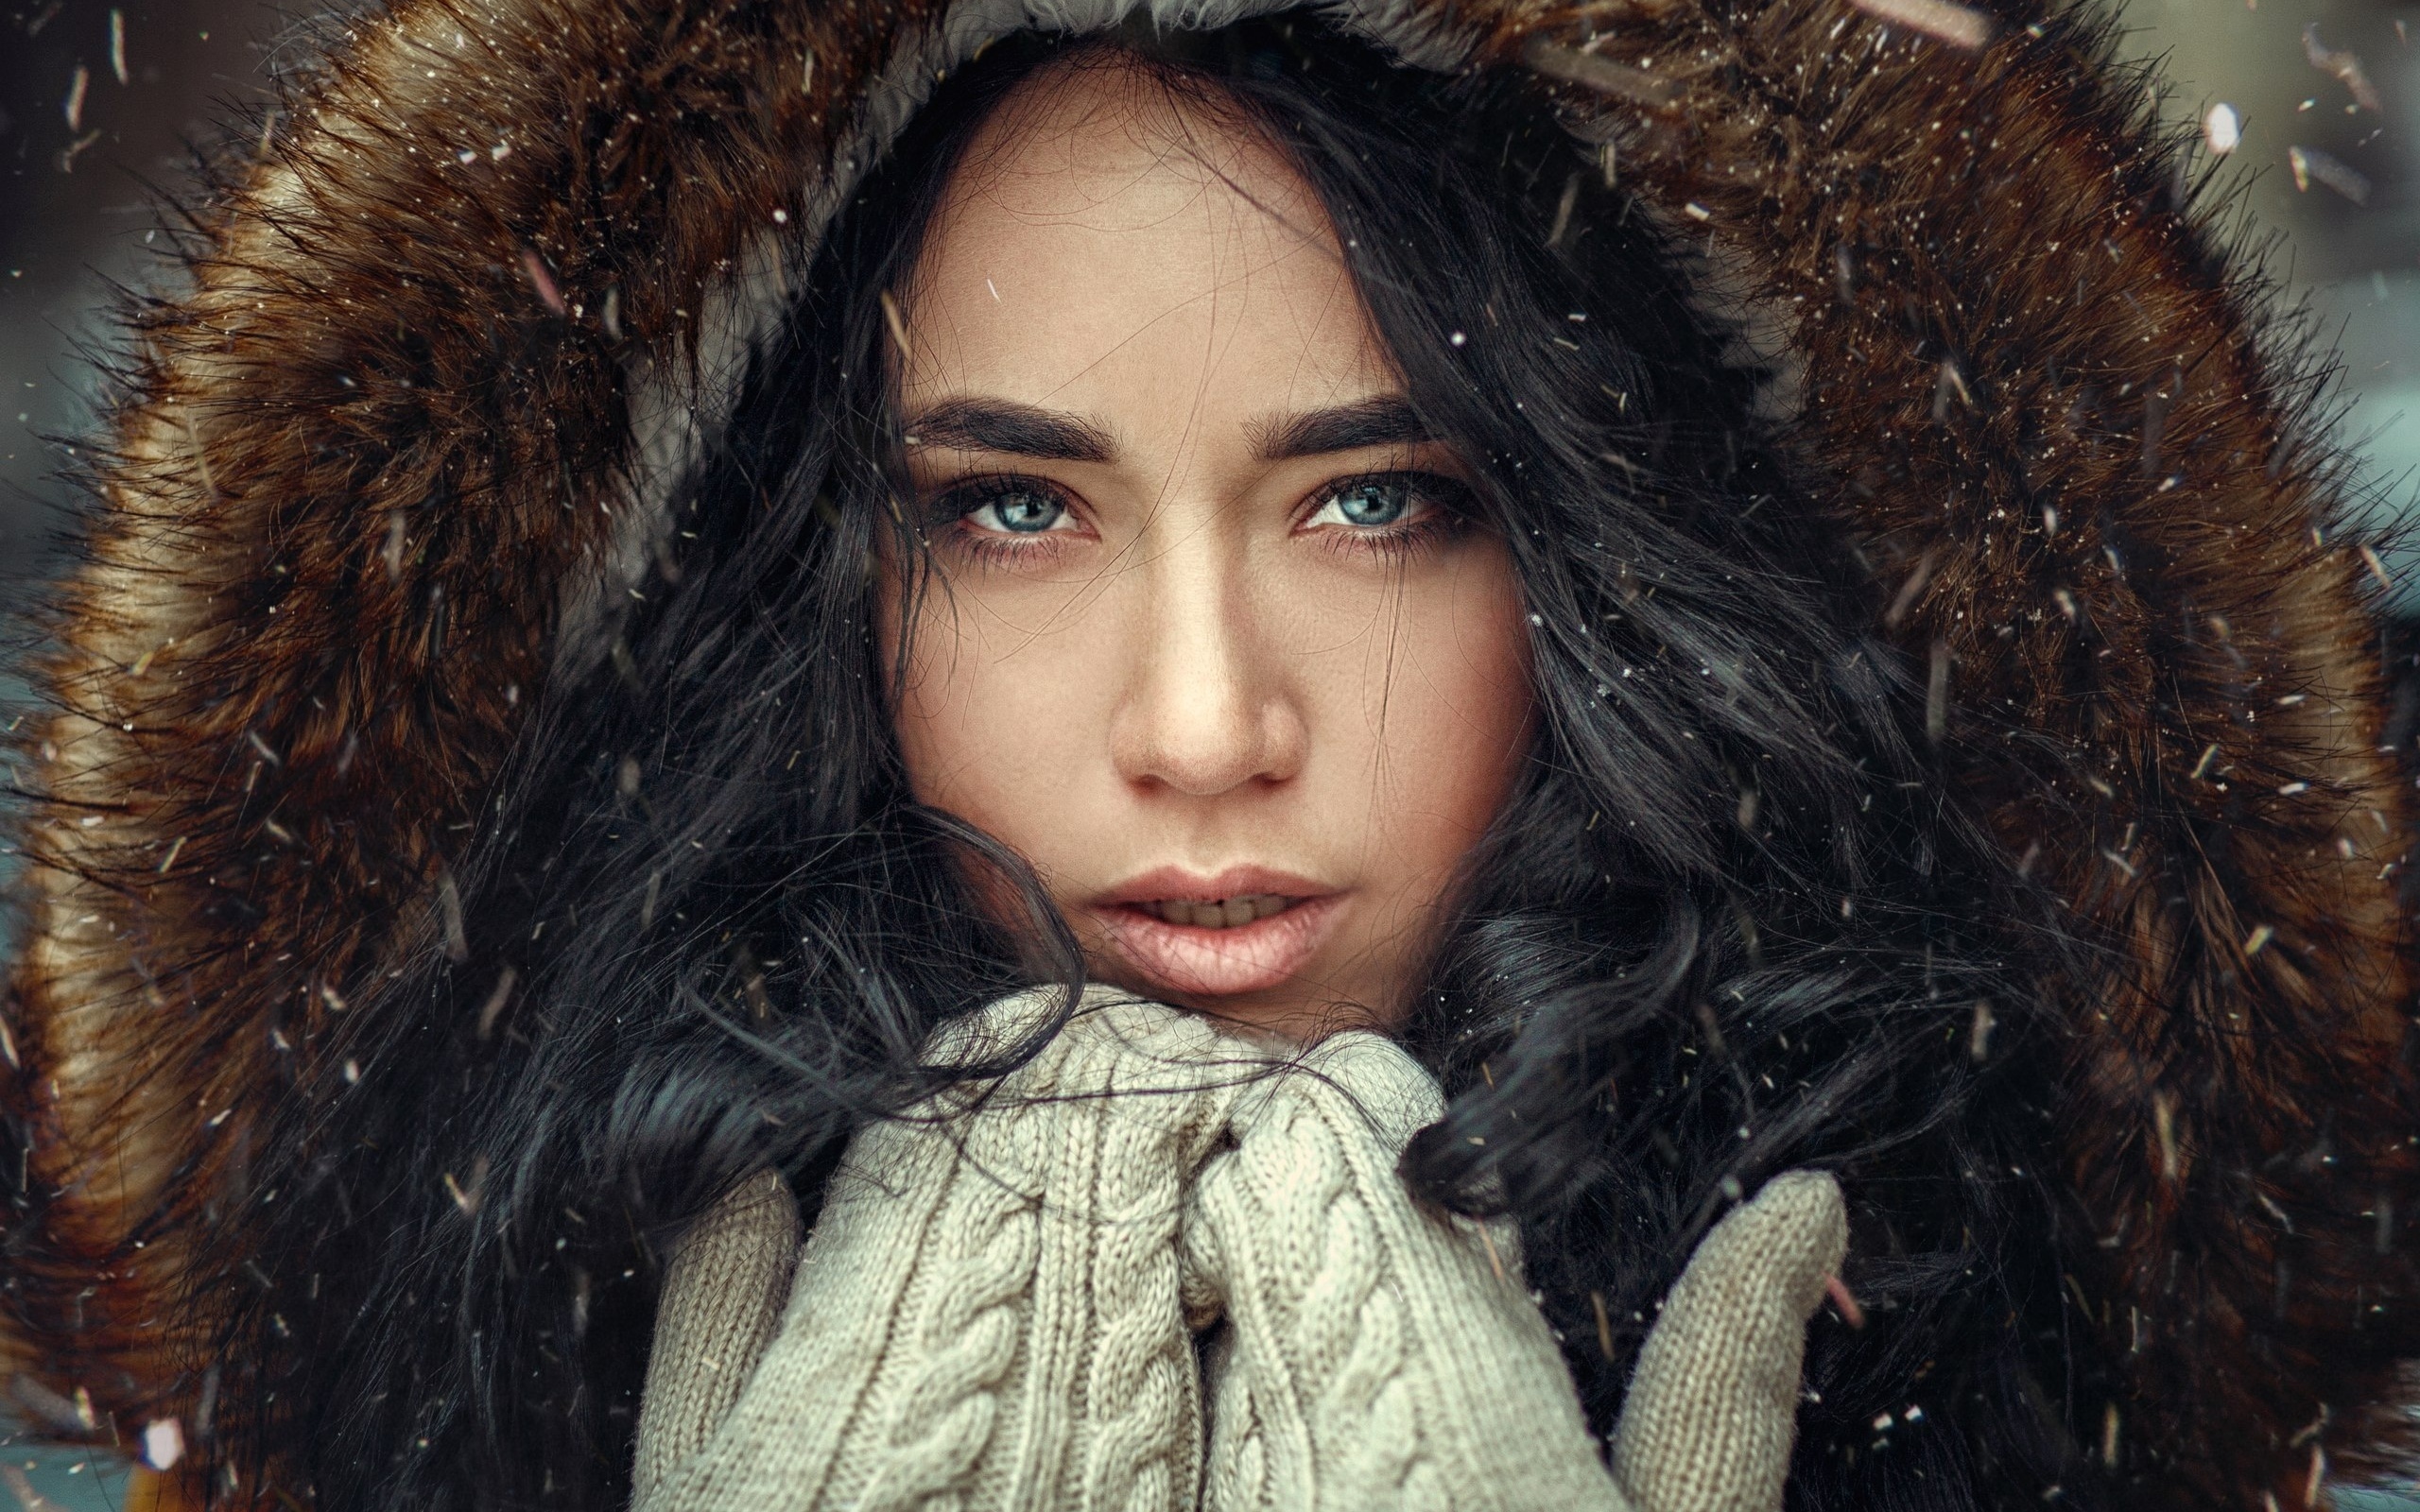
(1002,518)
(1010,517)
(1393,515)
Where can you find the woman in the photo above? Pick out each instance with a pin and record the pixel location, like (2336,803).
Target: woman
(1190,610)
(482,827)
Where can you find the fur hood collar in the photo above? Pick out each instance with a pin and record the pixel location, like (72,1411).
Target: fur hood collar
(385,466)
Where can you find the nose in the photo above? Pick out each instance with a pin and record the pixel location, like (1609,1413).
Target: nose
(1207,708)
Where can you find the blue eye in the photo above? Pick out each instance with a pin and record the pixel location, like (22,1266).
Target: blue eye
(1019,511)
(1384,501)
(1371,502)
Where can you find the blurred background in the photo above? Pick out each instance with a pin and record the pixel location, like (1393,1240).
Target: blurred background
(100,102)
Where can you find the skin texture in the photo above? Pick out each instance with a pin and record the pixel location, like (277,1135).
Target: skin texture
(1223,668)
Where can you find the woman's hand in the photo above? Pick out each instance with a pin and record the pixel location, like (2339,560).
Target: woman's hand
(999,1300)
(987,1314)
(1713,1406)
(721,1303)
(1378,1355)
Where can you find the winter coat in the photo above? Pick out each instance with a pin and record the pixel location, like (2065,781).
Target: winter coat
(379,473)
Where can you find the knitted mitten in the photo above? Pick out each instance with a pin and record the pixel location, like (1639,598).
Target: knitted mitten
(987,1314)
(1713,1406)
(721,1303)
(1379,1356)
(991,1311)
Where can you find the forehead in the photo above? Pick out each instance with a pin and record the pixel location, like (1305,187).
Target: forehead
(1108,242)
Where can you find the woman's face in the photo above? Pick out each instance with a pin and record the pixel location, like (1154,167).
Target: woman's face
(1210,640)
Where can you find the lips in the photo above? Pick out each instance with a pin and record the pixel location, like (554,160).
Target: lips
(1247,929)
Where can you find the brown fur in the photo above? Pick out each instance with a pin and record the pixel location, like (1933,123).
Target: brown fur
(274,730)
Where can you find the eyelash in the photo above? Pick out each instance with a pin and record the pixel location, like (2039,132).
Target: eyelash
(950,509)
(1448,514)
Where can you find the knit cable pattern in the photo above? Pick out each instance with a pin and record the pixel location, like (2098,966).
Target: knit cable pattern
(988,1313)
(943,1421)
(1368,1339)
(1332,1353)
(995,1310)
(1142,1375)
(1366,1414)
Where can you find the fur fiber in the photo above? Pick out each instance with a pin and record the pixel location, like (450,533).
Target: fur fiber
(377,450)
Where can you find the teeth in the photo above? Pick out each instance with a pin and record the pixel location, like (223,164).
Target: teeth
(1227,913)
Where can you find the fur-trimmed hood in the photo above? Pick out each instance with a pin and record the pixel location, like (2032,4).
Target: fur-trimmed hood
(384,470)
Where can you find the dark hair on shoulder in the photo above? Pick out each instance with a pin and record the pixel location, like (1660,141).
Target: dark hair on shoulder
(1719,932)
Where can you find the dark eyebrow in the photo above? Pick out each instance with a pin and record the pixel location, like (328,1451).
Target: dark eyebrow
(1385,422)
(1019,430)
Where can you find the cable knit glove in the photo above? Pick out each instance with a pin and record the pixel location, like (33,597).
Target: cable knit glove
(987,1314)
(1378,1357)
(994,1308)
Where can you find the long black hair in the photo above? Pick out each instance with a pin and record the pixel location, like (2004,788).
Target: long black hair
(1723,928)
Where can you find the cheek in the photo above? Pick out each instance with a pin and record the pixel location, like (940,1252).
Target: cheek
(991,720)
(1447,723)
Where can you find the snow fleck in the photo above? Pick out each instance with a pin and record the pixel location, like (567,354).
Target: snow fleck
(163,1438)
(2311,162)
(2338,62)
(1603,75)
(1959,26)
(543,281)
